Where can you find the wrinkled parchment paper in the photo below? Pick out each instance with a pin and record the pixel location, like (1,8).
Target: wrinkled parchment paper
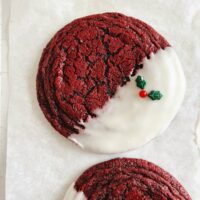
(41,163)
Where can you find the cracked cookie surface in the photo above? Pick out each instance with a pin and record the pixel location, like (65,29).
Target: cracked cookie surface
(86,61)
(126,179)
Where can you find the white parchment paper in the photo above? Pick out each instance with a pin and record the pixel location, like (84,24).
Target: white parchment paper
(41,163)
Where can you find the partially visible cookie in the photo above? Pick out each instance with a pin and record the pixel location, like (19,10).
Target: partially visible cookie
(126,179)
(86,82)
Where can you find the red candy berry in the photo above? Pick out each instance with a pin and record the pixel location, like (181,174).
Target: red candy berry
(143,93)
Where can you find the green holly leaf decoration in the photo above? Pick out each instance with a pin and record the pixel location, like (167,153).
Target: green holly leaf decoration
(140,82)
(155,95)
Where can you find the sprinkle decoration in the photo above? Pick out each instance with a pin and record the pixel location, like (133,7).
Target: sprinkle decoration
(143,93)
(140,82)
(153,94)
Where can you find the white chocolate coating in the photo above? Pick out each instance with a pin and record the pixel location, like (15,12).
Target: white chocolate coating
(72,194)
(128,121)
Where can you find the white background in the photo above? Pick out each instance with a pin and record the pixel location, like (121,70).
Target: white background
(3,91)
(41,163)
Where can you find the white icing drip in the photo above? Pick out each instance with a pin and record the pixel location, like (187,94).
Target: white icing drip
(127,121)
(72,194)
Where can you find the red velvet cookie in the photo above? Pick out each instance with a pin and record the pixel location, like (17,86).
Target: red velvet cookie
(91,63)
(85,62)
(126,179)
